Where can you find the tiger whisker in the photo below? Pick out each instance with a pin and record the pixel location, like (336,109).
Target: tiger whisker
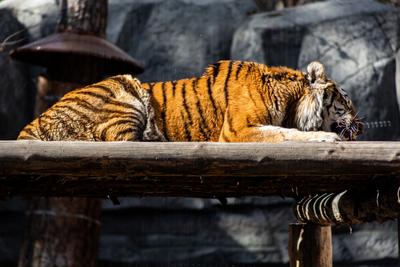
(342,133)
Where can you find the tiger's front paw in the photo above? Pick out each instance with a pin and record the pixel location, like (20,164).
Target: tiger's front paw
(323,137)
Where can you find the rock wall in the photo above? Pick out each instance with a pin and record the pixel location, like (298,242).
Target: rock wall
(357,41)
(17,91)
(178,38)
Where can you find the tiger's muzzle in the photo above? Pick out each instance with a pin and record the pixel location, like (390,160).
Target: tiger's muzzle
(348,130)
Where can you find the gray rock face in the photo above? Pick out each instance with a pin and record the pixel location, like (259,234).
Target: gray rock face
(39,16)
(177,39)
(356,40)
(16,93)
(269,5)
(213,236)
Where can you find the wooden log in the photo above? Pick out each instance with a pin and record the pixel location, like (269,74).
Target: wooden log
(49,92)
(84,17)
(349,207)
(194,169)
(310,245)
(61,232)
(66,231)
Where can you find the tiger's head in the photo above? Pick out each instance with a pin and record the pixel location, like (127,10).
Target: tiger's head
(326,107)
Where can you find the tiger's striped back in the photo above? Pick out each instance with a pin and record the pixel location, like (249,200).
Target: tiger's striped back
(195,109)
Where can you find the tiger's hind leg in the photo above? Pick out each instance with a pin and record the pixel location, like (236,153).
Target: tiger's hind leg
(134,120)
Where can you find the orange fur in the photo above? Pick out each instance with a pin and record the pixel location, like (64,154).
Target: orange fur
(228,102)
(233,101)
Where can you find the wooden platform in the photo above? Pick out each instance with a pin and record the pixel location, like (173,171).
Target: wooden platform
(98,169)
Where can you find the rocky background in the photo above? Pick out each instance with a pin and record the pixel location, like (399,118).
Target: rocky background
(357,40)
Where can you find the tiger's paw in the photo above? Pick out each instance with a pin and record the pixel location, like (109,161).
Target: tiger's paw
(322,137)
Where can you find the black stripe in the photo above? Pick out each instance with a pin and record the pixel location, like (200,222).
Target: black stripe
(121,80)
(102,87)
(79,102)
(118,122)
(264,78)
(238,69)
(228,76)
(209,91)
(255,105)
(164,110)
(266,104)
(324,96)
(120,135)
(230,124)
(46,116)
(216,70)
(204,126)
(128,116)
(126,105)
(264,101)
(188,133)
(42,131)
(276,101)
(110,101)
(248,122)
(115,79)
(77,112)
(87,105)
(29,132)
(269,116)
(334,94)
(95,95)
(188,122)
(173,87)
(151,86)
(248,71)
(185,105)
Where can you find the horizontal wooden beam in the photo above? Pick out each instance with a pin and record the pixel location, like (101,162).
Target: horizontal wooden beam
(98,169)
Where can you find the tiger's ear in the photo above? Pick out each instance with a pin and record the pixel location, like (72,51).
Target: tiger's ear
(313,106)
(316,73)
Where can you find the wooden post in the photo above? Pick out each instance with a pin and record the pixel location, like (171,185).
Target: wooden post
(61,232)
(64,232)
(310,245)
(291,3)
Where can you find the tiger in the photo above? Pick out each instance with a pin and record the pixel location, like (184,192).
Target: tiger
(232,101)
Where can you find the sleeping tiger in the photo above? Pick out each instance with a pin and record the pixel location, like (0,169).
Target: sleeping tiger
(233,101)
